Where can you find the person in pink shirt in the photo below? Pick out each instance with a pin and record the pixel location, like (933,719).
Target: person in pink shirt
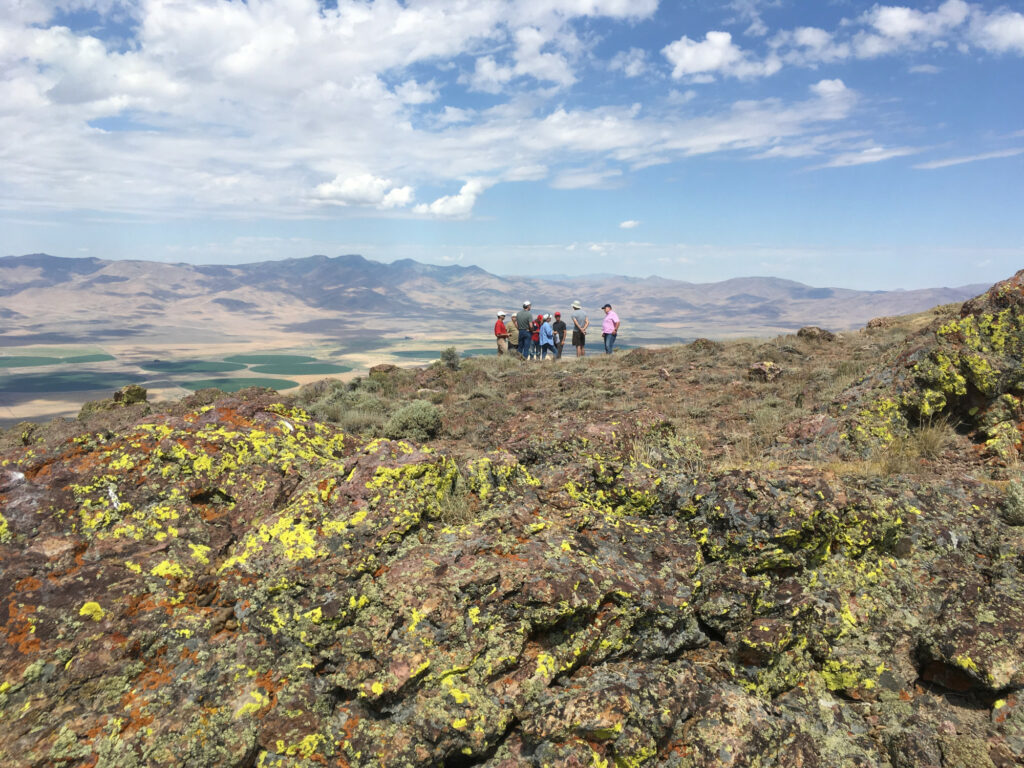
(609,328)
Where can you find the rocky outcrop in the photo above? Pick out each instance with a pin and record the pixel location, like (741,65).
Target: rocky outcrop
(967,369)
(229,582)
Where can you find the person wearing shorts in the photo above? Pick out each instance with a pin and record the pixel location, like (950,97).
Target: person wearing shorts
(580,323)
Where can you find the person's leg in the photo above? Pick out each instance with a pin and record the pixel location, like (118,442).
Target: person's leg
(609,343)
(502,345)
(524,345)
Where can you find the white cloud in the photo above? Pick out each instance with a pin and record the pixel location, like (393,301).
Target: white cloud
(411,92)
(970,159)
(1001,32)
(489,76)
(898,27)
(810,45)
(586,178)
(631,63)
(454,206)
(867,155)
(925,69)
(363,189)
(630,224)
(716,54)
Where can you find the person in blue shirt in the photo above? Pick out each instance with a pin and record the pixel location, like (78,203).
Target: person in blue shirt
(547,339)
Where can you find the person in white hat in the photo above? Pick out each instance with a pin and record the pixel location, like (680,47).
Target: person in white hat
(523,319)
(580,323)
(501,333)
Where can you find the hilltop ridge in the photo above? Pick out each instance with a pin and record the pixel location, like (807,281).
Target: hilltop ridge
(802,551)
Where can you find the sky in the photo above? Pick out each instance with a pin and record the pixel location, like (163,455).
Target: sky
(836,143)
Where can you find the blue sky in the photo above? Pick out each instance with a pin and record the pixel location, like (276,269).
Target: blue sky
(835,143)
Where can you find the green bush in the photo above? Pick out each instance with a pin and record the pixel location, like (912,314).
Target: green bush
(450,358)
(419,421)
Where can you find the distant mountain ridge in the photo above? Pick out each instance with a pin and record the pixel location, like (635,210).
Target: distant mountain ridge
(46,296)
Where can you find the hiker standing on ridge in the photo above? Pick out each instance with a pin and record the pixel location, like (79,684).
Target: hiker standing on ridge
(501,334)
(513,334)
(523,319)
(547,339)
(580,323)
(559,329)
(535,335)
(609,328)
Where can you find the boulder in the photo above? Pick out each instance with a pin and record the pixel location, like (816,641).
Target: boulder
(764,371)
(814,333)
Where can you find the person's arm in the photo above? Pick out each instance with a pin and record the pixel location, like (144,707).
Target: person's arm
(616,325)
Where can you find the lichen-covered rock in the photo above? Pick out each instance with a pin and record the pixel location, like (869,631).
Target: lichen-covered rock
(966,368)
(814,333)
(229,582)
(764,371)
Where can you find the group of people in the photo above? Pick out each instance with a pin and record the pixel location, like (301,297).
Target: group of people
(535,338)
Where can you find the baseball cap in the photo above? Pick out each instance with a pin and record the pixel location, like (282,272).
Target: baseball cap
(526,303)
(576,305)
(607,306)
(558,314)
(501,314)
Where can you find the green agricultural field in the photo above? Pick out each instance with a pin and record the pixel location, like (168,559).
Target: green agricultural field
(270,359)
(300,369)
(233,385)
(190,366)
(415,354)
(67,382)
(27,361)
(97,358)
(475,351)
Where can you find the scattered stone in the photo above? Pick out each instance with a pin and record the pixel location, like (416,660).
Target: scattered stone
(814,333)
(705,345)
(876,323)
(130,394)
(383,369)
(764,371)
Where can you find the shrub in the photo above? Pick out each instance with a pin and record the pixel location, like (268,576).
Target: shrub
(450,358)
(419,421)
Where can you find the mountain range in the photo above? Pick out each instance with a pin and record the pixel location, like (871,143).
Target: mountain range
(46,299)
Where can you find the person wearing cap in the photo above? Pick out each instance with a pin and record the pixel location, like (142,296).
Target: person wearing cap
(501,334)
(523,319)
(609,328)
(558,327)
(547,338)
(580,323)
(513,334)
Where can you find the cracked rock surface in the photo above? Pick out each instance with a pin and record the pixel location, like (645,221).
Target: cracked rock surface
(239,584)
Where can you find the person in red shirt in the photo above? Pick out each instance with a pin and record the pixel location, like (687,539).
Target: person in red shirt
(501,334)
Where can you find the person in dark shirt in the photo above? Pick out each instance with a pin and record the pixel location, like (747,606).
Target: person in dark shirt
(559,328)
(524,318)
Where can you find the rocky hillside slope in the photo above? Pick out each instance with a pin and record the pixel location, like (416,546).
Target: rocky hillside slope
(666,558)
